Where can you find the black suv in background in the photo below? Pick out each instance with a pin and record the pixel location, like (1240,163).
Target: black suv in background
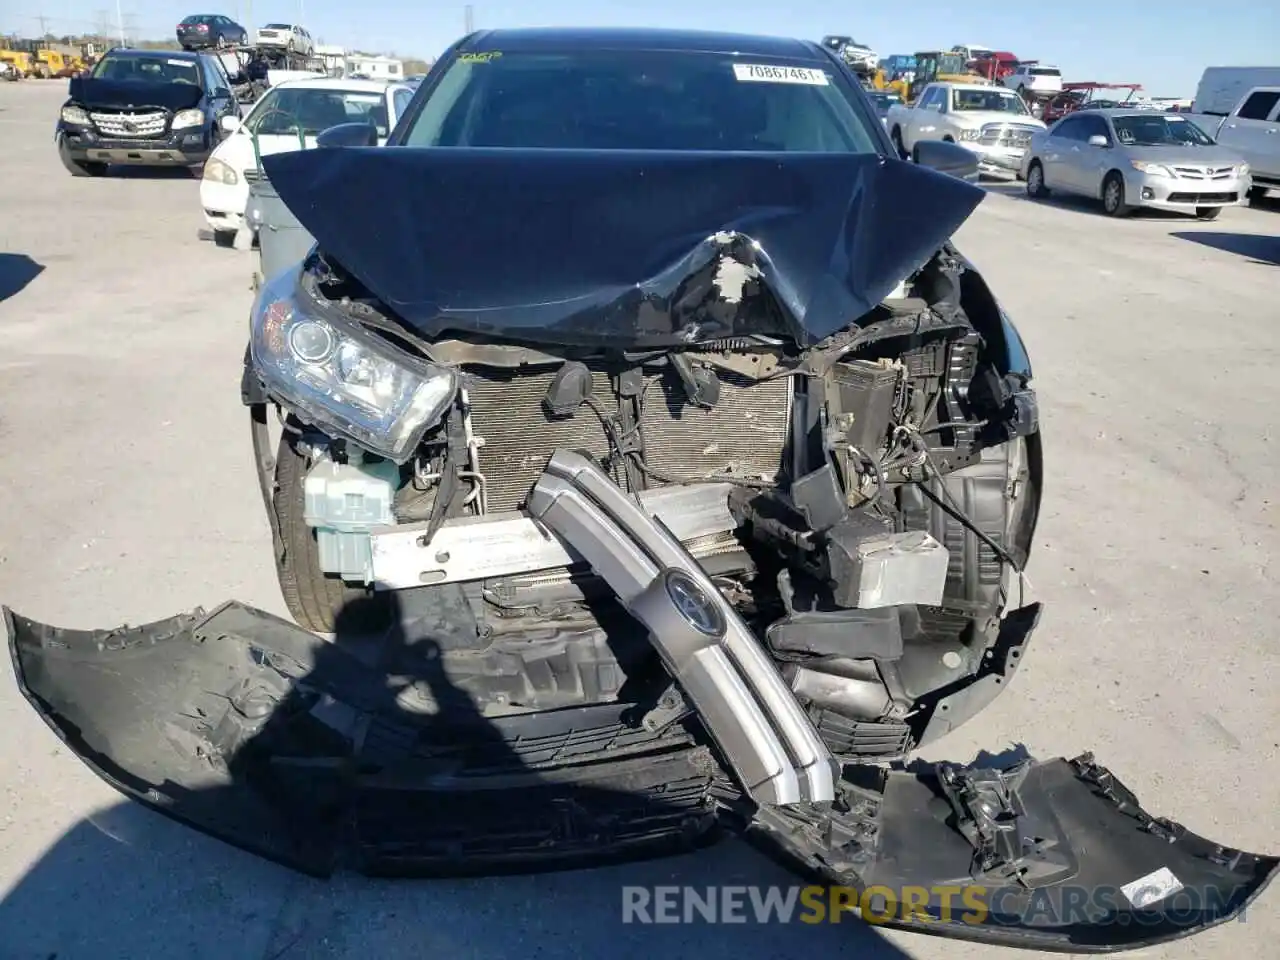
(144,107)
(203,30)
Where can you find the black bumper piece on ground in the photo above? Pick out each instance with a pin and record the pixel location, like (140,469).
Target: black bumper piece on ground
(254,731)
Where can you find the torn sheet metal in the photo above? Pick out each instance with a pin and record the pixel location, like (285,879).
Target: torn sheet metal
(623,249)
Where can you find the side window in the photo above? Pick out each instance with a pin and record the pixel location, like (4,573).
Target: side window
(213,75)
(1094,127)
(1067,129)
(930,98)
(401,100)
(1259,105)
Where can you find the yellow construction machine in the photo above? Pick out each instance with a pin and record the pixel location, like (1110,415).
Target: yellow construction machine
(933,66)
(21,61)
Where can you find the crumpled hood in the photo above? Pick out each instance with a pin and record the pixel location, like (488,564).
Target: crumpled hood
(134,93)
(619,248)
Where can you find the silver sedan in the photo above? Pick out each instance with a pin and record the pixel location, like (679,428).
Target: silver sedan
(1136,158)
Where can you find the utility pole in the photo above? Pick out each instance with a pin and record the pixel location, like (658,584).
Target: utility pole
(42,18)
(468,19)
(120,23)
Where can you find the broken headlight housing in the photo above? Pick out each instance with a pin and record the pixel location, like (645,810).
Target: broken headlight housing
(342,378)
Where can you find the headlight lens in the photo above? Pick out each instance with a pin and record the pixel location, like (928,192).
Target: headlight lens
(76,115)
(220,172)
(187,118)
(342,378)
(969,135)
(1242,170)
(1155,169)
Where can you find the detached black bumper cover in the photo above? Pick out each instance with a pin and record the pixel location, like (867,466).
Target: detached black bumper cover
(254,731)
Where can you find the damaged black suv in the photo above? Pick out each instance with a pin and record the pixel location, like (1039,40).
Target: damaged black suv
(635,397)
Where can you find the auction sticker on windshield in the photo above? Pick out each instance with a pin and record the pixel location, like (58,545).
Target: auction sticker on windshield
(766,73)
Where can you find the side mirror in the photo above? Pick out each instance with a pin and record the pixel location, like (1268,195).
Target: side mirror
(1099,141)
(222,93)
(229,124)
(947,157)
(356,134)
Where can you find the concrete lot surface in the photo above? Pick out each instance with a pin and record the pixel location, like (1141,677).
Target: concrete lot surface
(127,494)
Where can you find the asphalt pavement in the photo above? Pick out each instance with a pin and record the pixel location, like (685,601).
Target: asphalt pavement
(127,494)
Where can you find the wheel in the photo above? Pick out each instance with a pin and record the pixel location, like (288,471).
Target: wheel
(224,238)
(1207,213)
(80,168)
(314,598)
(1257,196)
(1035,181)
(896,137)
(1113,196)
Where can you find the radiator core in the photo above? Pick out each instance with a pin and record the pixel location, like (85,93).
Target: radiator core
(742,436)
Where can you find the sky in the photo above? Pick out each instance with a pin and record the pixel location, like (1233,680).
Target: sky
(1165,46)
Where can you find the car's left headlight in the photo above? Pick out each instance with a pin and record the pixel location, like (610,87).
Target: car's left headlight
(1155,169)
(77,115)
(187,118)
(1242,170)
(220,172)
(342,377)
(969,135)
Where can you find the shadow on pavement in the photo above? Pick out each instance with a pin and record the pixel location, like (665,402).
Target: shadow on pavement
(1017,190)
(143,172)
(363,755)
(1258,248)
(16,271)
(127,884)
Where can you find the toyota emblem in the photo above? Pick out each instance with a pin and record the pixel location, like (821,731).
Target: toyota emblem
(694,605)
(128,126)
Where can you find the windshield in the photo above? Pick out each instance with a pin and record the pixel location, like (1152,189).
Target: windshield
(288,111)
(994,100)
(277,26)
(638,100)
(884,101)
(1157,129)
(152,69)
(951,63)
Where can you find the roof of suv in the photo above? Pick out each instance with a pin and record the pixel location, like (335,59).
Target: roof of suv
(620,38)
(166,54)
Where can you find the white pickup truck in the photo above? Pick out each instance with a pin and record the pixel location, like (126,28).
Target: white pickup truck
(1251,129)
(992,122)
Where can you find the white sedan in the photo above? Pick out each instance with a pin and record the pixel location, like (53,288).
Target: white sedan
(289,117)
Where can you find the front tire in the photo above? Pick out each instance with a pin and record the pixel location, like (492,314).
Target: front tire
(1035,181)
(1208,213)
(314,598)
(80,168)
(896,137)
(1113,203)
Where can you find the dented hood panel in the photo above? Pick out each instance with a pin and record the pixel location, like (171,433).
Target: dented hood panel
(619,248)
(250,729)
(100,92)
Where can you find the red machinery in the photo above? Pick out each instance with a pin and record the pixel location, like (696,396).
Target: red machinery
(1076,96)
(994,65)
